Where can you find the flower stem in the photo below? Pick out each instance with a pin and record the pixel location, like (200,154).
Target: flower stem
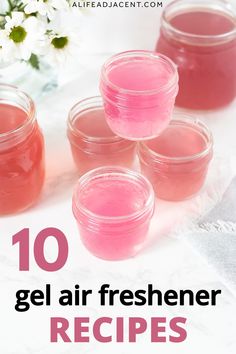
(10,5)
(14,5)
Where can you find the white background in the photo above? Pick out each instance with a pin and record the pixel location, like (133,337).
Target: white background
(168,261)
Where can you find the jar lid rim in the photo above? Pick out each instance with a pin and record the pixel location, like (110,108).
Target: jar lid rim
(30,113)
(93,102)
(182,119)
(191,36)
(103,171)
(141,53)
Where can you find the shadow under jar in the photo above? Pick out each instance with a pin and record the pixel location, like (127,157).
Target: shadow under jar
(200,37)
(176,163)
(21,151)
(113,207)
(93,144)
(139,90)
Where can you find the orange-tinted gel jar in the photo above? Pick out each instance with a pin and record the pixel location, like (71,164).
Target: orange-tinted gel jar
(176,162)
(93,143)
(21,151)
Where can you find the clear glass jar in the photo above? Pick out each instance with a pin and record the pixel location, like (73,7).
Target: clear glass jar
(21,151)
(21,74)
(113,207)
(92,142)
(176,163)
(200,37)
(138,90)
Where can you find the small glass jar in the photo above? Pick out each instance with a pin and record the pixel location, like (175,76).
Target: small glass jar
(176,163)
(138,90)
(92,142)
(200,37)
(21,151)
(113,207)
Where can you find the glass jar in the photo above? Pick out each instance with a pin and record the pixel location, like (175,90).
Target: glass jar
(138,90)
(21,151)
(38,82)
(200,37)
(113,207)
(92,142)
(176,163)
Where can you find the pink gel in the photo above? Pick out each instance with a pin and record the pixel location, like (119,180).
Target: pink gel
(139,90)
(21,152)
(93,144)
(200,37)
(177,161)
(113,207)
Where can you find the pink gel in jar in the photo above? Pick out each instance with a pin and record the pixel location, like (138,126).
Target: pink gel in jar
(22,166)
(176,162)
(93,144)
(113,207)
(139,90)
(200,37)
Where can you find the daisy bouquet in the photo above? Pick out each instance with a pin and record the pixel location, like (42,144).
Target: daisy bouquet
(31,29)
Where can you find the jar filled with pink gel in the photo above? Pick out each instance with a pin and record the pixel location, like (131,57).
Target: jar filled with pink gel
(139,90)
(200,37)
(176,162)
(93,144)
(113,207)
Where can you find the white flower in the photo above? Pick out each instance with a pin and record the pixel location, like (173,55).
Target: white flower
(45,7)
(22,36)
(63,43)
(61,48)
(4,6)
(3,54)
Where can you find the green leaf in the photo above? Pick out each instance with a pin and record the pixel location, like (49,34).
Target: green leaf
(34,61)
